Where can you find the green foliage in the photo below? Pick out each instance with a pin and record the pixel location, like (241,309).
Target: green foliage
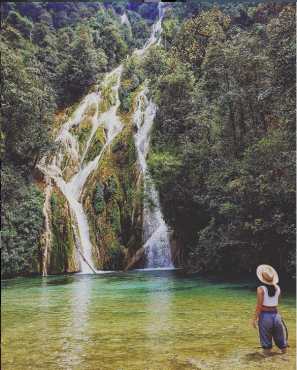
(164,165)
(96,144)
(131,78)
(116,256)
(140,29)
(22,223)
(63,245)
(223,144)
(156,64)
(22,24)
(82,67)
(110,188)
(170,28)
(191,41)
(107,94)
(115,218)
(113,44)
(27,107)
(98,198)
(253,209)
(51,54)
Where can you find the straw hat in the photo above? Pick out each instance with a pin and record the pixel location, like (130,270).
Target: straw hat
(267,274)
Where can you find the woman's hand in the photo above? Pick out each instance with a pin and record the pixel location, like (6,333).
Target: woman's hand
(255,322)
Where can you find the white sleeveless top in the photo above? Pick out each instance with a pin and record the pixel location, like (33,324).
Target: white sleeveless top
(270,301)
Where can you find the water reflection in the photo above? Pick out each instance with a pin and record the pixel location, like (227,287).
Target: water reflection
(158,323)
(44,304)
(76,329)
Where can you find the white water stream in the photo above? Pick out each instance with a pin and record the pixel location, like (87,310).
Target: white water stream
(125,20)
(72,189)
(155,37)
(47,235)
(155,230)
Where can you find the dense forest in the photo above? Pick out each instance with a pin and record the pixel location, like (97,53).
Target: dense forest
(223,145)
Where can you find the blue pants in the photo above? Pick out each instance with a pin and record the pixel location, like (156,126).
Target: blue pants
(271,326)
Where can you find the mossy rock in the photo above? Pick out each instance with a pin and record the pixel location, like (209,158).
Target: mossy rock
(96,145)
(124,148)
(98,198)
(112,198)
(82,132)
(63,250)
(90,111)
(69,166)
(114,217)
(116,256)
(111,189)
(108,97)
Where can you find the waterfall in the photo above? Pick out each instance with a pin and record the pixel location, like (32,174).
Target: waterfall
(155,231)
(125,20)
(47,236)
(72,189)
(155,37)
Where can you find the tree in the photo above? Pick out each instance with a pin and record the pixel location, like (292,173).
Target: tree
(27,107)
(192,39)
(223,147)
(20,23)
(21,230)
(80,70)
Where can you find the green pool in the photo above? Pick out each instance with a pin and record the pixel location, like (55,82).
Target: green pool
(159,320)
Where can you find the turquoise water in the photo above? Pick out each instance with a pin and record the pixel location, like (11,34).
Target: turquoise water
(139,320)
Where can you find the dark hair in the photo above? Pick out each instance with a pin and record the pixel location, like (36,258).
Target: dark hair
(270,289)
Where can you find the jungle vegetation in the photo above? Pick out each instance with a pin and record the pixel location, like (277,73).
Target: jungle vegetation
(223,145)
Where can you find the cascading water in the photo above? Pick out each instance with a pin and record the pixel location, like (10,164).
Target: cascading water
(72,189)
(155,37)
(47,230)
(125,20)
(155,231)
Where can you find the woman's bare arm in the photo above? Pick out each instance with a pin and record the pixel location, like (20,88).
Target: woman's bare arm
(260,298)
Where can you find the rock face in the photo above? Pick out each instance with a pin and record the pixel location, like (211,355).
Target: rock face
(62,255)
(112,198)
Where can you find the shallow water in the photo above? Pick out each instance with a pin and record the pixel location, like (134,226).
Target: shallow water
(154,320)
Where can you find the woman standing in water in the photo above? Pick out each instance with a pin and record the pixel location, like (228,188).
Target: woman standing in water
(266,315)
